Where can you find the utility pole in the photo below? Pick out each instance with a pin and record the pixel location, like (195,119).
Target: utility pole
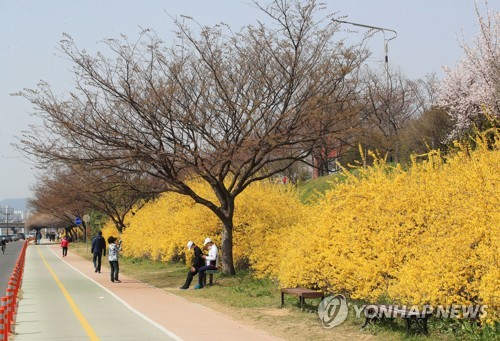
(6,211)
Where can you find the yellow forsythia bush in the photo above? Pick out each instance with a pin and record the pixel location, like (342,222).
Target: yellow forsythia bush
(161,229)
(265,213)
(426,235)
(109,229)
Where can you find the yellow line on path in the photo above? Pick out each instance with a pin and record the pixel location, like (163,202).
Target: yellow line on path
(85,324)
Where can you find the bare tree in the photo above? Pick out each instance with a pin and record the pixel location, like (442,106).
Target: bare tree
(391,100)
(431,128)
(428,131)
(51,198)
(117,194)
(339,116)
(103,190)
(229,108)
(44,220)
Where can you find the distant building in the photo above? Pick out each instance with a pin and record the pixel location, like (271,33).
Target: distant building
(325,163)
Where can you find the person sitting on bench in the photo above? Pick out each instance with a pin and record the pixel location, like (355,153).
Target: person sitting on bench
(198,262)
(210,261)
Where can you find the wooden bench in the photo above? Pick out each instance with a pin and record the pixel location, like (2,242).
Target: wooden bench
(211,274)
(302,293)
(416,321)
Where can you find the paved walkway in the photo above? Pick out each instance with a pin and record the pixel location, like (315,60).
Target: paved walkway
(63,299)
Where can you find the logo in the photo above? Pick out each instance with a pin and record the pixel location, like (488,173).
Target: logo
(333,311)
(449,311)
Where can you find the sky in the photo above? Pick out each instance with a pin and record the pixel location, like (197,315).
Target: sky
(429,34)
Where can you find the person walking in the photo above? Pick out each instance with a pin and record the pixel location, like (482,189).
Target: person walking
(210,261)
(113,250)
(4,245)
(98,249)
(64,245)
(198,262)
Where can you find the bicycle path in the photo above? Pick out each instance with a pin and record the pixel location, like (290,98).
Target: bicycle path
(64,299)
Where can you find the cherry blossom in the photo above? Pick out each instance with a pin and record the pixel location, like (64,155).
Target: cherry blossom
(471,88)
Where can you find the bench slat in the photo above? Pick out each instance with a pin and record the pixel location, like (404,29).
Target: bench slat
(302,293)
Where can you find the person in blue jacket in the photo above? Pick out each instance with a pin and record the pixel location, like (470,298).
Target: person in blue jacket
(98,250)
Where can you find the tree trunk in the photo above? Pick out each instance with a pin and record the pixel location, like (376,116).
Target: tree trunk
(227,247)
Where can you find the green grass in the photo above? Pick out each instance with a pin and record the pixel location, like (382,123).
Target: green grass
(243,291)
(313,188)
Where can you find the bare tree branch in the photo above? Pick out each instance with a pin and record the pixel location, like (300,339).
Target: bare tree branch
(229,108)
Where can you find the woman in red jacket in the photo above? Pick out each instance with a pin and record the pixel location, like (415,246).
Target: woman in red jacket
(64,245)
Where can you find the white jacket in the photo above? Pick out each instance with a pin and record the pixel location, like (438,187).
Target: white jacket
(211,258)
(113,251)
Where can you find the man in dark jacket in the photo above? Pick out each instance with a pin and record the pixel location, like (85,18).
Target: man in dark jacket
(198,262)
(98,249)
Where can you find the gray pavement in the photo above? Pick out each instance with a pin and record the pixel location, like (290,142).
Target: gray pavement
(64,299)
(60,303)
(8,262)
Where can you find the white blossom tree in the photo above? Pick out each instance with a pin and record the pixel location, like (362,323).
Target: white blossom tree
(473,85)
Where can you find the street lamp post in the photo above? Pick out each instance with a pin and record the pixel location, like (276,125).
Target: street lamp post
(386,60)
(386,41)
